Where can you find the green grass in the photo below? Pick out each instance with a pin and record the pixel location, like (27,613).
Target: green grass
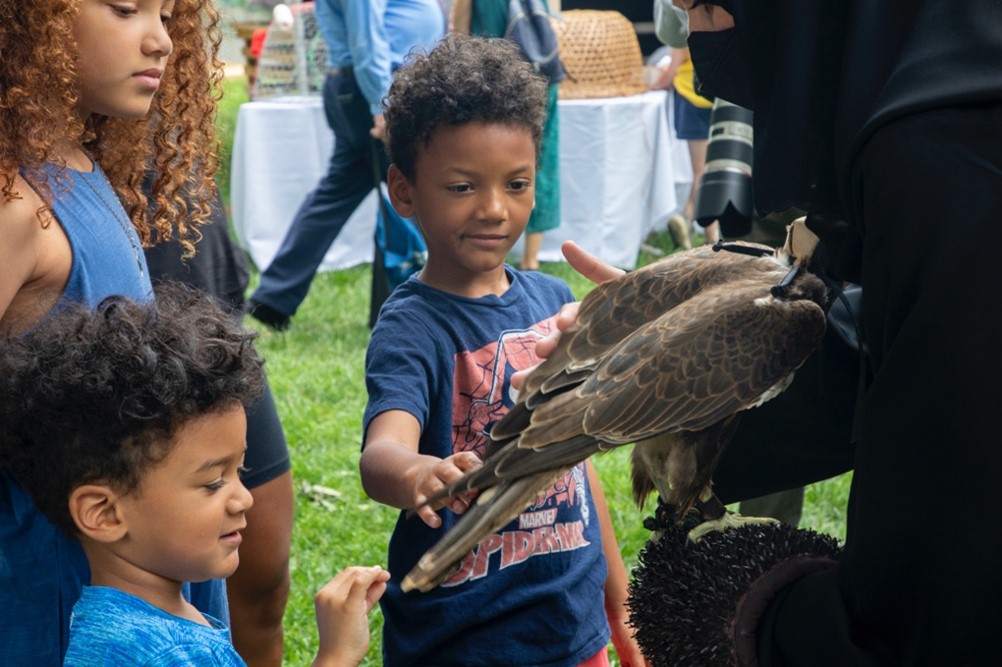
(234,94)
(316,372)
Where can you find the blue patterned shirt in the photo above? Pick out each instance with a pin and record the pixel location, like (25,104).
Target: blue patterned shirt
(111,627)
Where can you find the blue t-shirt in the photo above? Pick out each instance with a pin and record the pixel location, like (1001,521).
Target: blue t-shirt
(532,593)
(111,627)
(41,570)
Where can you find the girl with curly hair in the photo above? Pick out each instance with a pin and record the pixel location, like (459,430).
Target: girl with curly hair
(91,92)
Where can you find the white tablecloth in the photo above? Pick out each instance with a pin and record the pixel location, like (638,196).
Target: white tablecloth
(616,176)
(281,148)
(619,171)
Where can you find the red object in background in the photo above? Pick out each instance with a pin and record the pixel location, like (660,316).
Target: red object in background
(257,42)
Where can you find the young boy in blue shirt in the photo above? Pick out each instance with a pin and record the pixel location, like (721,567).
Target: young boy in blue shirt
(464,124)
(126,426)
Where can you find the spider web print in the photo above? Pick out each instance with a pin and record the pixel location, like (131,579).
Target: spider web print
(481,384)
(482,391)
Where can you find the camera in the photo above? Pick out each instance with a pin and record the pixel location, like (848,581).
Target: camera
(725,190)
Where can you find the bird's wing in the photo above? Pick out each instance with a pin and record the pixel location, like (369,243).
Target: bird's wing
(714,355)
(615,309)
(717,354)
(701,362)
(510,462)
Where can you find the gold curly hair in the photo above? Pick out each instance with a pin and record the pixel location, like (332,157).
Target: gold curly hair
(176,140)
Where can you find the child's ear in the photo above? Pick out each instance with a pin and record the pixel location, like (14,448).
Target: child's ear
(96,512)
(400,192)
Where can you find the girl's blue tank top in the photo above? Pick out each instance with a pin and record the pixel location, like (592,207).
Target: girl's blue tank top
(107,253)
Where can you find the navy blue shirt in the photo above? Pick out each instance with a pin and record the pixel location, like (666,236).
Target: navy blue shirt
(532,593)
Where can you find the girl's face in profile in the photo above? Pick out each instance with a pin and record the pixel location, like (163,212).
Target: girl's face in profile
(123,47)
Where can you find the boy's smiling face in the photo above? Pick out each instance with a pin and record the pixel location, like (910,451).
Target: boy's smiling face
(184,520)
(472,194)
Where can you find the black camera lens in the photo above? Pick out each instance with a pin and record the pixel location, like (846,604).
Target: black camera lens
(725,190)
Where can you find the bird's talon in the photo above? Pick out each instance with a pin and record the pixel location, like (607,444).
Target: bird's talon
(726,522)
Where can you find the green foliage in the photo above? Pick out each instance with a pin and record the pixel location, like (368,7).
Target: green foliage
(316,370)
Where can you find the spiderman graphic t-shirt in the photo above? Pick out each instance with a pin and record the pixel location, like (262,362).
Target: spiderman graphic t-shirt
(532,593)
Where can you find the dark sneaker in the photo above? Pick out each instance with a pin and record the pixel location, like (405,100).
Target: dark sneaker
(268,316)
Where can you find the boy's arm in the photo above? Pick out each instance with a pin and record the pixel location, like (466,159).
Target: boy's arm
(617,583)
(395,473)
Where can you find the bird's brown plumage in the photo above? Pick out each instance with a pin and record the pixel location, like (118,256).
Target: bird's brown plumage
(664,357)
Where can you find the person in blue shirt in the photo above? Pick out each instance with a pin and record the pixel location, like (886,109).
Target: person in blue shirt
(464,127)
(366,40)
(126,424)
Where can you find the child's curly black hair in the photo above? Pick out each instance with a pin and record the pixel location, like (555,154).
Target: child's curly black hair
(96,395)
(462,80)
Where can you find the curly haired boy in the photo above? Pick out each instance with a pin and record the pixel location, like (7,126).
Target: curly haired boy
(464,124)
(126,426)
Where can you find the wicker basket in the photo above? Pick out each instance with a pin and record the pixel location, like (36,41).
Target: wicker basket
(601,53)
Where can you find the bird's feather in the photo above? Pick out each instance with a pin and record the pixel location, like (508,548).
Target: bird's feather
(617,308)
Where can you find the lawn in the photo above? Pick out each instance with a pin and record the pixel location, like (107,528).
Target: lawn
(316,372)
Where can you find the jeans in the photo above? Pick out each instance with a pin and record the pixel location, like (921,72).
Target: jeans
(349,179)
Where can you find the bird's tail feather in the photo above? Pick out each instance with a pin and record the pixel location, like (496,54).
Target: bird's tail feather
(490,512)
(511,461)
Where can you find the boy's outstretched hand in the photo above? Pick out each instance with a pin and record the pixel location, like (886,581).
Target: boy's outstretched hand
(592,268)
(436,477)
(342,608)
(396,474)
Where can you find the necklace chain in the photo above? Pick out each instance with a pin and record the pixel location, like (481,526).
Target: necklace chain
(126,225)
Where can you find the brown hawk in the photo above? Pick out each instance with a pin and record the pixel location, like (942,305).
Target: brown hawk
(666,358)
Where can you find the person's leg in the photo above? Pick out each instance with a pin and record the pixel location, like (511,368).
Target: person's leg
(689,127)
(530,251)
(697,158)
(259,589)
(285,282)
